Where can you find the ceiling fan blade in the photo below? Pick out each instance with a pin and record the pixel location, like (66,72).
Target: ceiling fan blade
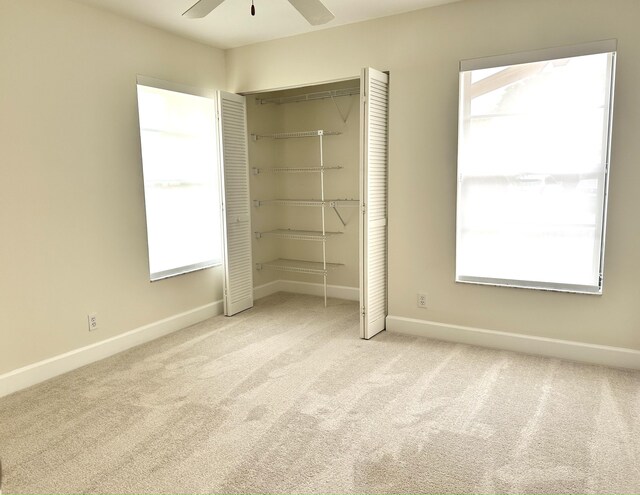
(313,11)
(201,8)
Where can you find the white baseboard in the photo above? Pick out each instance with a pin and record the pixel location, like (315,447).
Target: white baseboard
(266,290)
(617,357)
(41,371)
(38,372)
(35,373)
(312,289)
(27,376)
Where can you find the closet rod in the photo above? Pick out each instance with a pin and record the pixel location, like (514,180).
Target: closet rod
(320,95)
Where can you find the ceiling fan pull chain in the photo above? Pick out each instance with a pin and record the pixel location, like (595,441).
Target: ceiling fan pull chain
(253,8)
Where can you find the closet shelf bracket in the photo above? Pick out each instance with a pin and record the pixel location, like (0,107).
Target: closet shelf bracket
(343,117)
(344,224)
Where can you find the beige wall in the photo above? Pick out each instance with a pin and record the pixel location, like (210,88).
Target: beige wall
(422,51)
(72,224)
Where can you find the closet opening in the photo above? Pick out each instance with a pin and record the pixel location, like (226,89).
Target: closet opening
(304,179)
(314,192)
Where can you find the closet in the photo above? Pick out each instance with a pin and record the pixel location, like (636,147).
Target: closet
(305,193)
(305,184)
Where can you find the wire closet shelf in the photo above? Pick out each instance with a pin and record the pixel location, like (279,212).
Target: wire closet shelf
(304,266)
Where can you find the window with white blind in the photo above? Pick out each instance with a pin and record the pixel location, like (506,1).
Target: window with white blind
(180,164)
(533,160)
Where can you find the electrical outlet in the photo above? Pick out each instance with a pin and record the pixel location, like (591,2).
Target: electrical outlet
(422,300)
(93,321)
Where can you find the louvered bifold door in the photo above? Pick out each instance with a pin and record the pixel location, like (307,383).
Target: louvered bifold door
(373,199)
(236,205)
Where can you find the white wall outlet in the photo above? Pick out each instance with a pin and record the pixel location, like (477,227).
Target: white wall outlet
(93,321)
(422,300)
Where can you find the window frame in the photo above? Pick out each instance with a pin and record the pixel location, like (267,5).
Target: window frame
(593,48)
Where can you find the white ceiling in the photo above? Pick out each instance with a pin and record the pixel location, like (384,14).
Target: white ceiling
(231,25)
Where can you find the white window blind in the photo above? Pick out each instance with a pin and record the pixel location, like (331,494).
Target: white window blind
(534,145)
(181,179)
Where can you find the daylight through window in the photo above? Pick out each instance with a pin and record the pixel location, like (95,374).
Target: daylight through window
(181,180)
(534,140)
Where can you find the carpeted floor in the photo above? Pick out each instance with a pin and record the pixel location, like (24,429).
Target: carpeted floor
(285,398)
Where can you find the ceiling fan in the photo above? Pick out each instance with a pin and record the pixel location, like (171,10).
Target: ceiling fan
(313,11)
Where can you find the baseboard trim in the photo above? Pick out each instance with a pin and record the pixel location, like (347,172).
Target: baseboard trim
(266,290)
(309,288)
(312,289)
(33,374)
(617,357)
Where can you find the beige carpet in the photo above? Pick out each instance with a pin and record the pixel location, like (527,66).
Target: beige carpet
(285,398)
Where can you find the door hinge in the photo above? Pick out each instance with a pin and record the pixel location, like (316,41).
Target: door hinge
(364,209)
(364,311)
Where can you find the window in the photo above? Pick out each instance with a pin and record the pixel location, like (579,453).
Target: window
(181,179)
(534,140)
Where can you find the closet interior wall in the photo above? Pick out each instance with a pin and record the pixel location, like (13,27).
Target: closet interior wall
(338,150)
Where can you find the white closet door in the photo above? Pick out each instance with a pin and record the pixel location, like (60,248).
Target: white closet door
(374,94)
(236,207)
